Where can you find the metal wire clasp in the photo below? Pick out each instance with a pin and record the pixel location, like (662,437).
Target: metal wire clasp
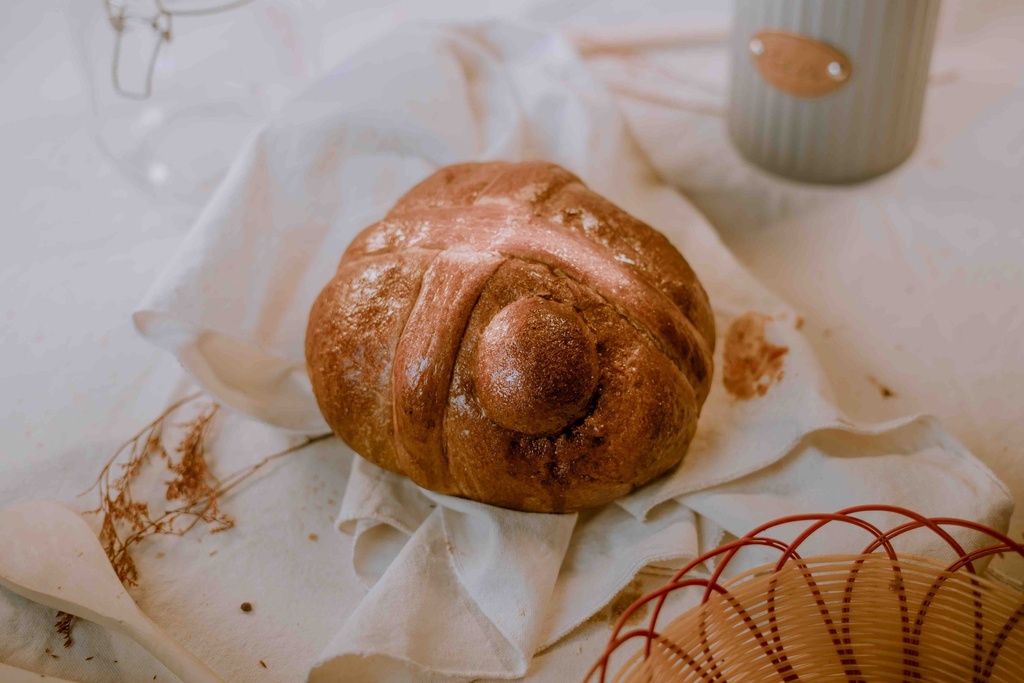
(149,21)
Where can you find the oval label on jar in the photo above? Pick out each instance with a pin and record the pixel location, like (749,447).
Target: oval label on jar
(799,65)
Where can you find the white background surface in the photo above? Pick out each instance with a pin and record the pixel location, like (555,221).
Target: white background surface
(916,279)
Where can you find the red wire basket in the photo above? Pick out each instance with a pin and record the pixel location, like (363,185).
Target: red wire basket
(868,616)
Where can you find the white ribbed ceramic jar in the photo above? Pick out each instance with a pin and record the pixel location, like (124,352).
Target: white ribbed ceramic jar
(829,91)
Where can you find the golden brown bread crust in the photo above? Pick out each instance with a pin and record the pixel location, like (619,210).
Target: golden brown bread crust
(509,336)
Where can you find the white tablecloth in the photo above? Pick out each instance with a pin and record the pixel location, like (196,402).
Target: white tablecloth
(914,281)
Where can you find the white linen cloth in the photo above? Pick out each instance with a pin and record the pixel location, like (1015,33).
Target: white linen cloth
(459,590)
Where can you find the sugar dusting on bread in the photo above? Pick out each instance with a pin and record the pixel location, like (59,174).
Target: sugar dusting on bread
(752,363)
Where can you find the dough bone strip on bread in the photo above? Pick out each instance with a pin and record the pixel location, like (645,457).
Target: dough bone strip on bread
(425,356)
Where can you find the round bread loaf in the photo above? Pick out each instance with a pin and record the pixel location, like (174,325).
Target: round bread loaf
(507,335)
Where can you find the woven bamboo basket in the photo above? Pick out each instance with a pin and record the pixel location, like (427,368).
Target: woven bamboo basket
(866,616)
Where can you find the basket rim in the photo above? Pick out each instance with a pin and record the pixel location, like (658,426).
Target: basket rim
(880,546)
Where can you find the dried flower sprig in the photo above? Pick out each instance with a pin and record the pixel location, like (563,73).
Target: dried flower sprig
(127,521)
(118,506)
